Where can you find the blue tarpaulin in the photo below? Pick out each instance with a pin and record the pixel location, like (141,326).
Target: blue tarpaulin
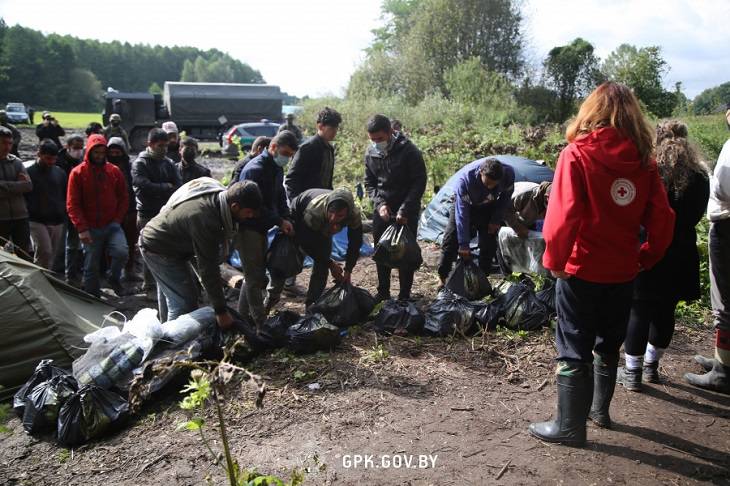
(434,218)
(339,249)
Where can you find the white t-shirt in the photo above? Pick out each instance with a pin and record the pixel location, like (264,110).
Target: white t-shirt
(719,205)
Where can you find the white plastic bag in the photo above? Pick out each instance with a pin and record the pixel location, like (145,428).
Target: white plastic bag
(188,326)
(145,324)
(102,335)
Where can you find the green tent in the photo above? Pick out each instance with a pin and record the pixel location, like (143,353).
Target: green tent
(40,317)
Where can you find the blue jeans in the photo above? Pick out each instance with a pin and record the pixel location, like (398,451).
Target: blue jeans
(112,238)
(177,291)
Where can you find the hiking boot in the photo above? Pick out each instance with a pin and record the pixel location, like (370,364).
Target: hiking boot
(706,363)
(295,290)
(270,303)
(717,379)
(604,384)
(381,298)
(630,378)
(574,398)
(116,286)
(651,372)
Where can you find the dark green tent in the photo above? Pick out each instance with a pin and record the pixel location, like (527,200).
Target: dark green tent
(40,317)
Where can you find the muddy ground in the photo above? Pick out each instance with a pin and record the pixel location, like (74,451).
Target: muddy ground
(464,405)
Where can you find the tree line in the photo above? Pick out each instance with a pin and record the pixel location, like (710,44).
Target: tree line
(67,73)
(473,51)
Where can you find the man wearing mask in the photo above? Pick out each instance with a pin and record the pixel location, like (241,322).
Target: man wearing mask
(14,183)
(97,203)
(16,133)
(199,218)
(117,155)
(259,145)
(267,172)
(154,179)
(318,215)
(483,194)
(173,141)
(188,167)
(50,129)
(46,205)
(68,262)
(717,377)
(114,129)
(395,179)
(290,126)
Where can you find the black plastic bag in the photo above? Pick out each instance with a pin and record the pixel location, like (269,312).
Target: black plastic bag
(547,295)
(284,259)
(344,305)
(399,317)
(518,309)
(449,313)
(311,334)
(88,414)
(44,371)
(468,281)
(398,248)
(273,331)
(44,402)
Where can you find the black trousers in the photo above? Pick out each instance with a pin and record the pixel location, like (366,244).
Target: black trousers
(17,231)
(319,248)
(591,316)
(719,248)
(404,276)
(651,321)
(479,218)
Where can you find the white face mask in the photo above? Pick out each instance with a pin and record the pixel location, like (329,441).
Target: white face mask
(76,153)
(281,160)
(380,145)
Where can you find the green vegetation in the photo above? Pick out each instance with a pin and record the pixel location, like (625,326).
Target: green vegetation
(76,121)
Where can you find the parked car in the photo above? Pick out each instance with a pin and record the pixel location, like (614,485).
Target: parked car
(247,133)
(17,113)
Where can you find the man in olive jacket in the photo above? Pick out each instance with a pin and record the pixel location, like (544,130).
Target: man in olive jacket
(14,183)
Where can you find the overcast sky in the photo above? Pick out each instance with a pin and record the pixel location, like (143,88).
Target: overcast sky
(312,46)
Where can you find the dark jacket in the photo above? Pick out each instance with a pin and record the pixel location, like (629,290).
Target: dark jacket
(270,179)
(17,136)
(12,188)
(54,132)
(310,209)
(472,193)
(193,228)
(191,171)
(236,174)
(677,275)
(174,155)
(65,162)
(291,128)
(126,169)
(97,194)
(397,177)
(311,168)
(111,131)
(47,201)
(154,181)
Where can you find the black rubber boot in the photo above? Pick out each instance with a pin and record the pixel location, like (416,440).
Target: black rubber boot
(706,363)
(604,383)
(630,378)
(651,372)
(717,379)
(574,398)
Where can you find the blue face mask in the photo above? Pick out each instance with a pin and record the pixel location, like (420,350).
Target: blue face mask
(380,145)
(281,160)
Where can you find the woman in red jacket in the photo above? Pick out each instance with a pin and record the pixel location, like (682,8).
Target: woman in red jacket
(606,188)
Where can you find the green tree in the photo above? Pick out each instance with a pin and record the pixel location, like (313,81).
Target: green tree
(471,83)
(572,70)
(642,70)
(712,100)
(86,93)
(154,88)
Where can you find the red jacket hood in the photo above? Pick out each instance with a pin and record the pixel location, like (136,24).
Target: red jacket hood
(93,141)
(612,150)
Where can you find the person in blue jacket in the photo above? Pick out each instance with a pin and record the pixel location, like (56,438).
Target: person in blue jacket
(483,194)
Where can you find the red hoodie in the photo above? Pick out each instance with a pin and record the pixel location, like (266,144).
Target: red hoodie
(601,197)
(97,194)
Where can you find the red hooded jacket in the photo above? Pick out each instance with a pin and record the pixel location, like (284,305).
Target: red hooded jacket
(600,200)
(97,194)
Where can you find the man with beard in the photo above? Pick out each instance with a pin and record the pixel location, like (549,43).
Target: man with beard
(173,141)
(188,167)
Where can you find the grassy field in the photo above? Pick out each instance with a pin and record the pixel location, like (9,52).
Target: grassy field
(75,120)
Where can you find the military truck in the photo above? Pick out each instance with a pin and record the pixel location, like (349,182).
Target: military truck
(202,110)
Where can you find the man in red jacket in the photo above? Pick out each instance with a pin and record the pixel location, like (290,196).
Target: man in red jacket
(606,189)
(97,202)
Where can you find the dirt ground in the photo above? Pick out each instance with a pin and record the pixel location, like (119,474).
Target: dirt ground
(417,411)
